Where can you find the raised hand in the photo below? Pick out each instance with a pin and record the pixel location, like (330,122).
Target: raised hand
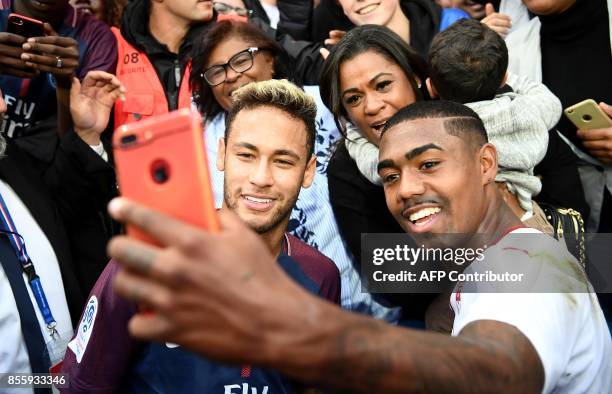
(500,23)
(334,37)
(91,103)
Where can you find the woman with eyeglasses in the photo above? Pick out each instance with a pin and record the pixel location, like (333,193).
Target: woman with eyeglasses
(232,54)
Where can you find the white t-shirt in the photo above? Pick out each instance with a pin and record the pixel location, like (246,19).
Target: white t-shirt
(13,352)
(568,330)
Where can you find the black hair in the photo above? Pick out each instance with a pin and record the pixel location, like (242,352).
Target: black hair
(468,62)
(112,11)
(459,120)
(360,40)
(208,41)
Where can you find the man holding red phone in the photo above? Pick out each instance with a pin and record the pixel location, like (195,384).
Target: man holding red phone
(265,168)
(36,72)
(433,154)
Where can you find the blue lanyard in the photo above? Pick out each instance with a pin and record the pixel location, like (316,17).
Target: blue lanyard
(27,266)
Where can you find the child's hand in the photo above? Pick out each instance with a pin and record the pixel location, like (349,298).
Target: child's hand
(500,23)
(334,37)
(599,141)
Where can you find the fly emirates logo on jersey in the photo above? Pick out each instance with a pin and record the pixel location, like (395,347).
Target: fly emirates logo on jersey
(244,388)
(21,116)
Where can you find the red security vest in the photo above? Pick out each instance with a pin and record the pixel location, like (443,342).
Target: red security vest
(145,95)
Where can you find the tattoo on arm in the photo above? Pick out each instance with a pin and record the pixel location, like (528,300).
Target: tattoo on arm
(372,357)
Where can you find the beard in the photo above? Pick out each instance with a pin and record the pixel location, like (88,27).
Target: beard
(276,220)
(279,214)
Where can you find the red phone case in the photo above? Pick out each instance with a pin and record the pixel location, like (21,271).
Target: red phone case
(24,26)
(161,163)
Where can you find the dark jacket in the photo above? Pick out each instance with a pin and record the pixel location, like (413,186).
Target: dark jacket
(424,16)
(24,176)
(135,29)
(298,28)
(328,16)
(81,184)
(258,10)
(358,204)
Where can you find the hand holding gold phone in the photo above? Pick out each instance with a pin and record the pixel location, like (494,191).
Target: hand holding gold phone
(587,115)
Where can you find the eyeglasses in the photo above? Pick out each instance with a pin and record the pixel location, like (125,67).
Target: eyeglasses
(225,9)
(240,62)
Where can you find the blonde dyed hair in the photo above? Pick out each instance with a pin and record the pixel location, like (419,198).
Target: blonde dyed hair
(280,94)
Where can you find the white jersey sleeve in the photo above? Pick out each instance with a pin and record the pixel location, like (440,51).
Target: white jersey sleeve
(567,330)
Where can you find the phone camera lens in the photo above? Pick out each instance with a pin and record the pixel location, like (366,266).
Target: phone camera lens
(128,139)
(161,175)
(587,118)
(19,22)
(160,172)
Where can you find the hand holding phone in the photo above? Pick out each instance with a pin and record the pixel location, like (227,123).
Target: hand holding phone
(11,41)
(161,163)
(595,129)
(587,115)
(25,27)
(53,54)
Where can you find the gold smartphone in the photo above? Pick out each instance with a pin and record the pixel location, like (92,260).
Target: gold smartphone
(587,115)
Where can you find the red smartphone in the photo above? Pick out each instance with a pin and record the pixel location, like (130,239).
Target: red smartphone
(161,163)
(24,26)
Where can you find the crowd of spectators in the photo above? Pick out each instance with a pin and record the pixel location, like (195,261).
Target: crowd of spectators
(323,121)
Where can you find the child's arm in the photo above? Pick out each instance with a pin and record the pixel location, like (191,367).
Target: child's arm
(537,97)
(528,108)
(517,123)
(364,153)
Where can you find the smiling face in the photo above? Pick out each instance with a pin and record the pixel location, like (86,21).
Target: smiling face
(370,12)
(434,182)
(373,88)
(262,70)
(266,162)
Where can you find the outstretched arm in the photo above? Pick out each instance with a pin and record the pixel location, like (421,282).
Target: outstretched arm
(223,296)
